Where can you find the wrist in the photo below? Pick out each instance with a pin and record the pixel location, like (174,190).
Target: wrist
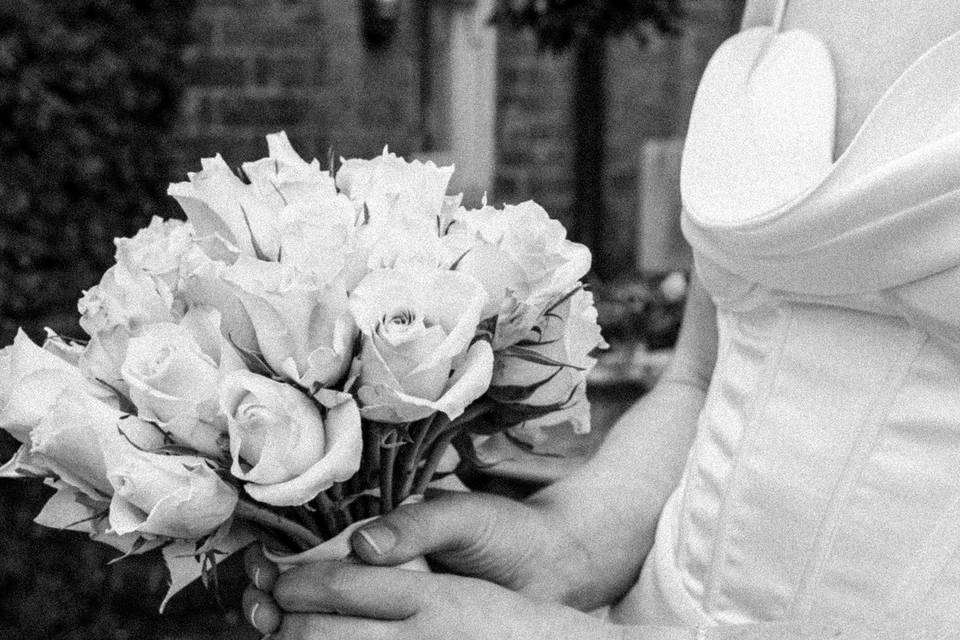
(570,558)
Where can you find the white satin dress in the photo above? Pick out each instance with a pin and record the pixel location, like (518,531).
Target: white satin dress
(824,480)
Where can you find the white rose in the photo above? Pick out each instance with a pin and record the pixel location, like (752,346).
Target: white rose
(418,355)
(523,259)
(166,495)
(126,300)
(157,249)
(323,242)
(543,376)
(5,375)
(285,178)
(281,444)
(389,185)
(218,203)
(173,382)
(125,297)
(302,328)
(403,243)
(68,442)
(33,380)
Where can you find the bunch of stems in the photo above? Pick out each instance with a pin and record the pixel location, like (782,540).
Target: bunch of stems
(399,461)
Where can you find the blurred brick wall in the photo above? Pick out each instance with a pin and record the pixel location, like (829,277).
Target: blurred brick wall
(649,94)
(301,66)
(534,130)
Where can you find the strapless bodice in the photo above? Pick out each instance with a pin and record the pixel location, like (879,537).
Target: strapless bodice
(824,480)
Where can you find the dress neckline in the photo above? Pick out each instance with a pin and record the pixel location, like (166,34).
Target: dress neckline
(764,38)
(764,199)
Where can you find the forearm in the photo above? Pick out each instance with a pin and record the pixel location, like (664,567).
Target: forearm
(608,510)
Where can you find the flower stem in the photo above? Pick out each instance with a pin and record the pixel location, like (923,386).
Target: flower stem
(328,511)
(263,516)
(436,451)
(410,459)
(369,466)
(388,456)
(461,423)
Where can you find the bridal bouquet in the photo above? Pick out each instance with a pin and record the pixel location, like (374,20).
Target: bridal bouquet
(307,351)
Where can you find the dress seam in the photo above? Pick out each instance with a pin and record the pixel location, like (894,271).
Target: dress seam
(865,442)
(695,450)
(760,401)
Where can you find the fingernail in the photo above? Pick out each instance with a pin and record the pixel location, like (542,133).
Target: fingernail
(253,616)
(256,578)
(379,537)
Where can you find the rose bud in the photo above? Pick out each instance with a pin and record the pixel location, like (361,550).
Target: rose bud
(280,443)
(174,383)
(165,495)
(33,379)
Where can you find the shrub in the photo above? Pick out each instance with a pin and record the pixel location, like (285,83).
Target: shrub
(88,94)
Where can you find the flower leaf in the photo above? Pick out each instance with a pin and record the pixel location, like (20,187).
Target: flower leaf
(514,413)
(530,355)
(559,302)
(518,393)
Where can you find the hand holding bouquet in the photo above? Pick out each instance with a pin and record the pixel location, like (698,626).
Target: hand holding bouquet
(305,352)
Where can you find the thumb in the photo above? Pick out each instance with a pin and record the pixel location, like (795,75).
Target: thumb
(450,522)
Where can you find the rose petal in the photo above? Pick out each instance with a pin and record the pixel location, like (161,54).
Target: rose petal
(210,201)
(470,381)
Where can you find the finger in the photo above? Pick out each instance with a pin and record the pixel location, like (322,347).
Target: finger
(260,610)
(353,590)
(324,627)
(448,523)
(262,573)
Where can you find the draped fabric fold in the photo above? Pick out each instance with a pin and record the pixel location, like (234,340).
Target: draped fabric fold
(883,220)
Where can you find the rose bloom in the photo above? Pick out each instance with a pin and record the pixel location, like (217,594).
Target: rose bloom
(173,382)
(522,258)
(389,185)
(418,355)
(247,215)
(164,495)
(32,379)
(280,443)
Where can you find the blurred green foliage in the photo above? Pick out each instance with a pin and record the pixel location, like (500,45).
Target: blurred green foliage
(88,96)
